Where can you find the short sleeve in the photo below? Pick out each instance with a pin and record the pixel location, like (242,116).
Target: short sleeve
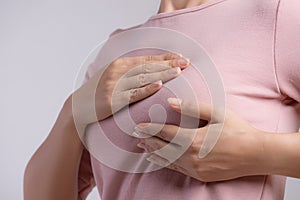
(287,48)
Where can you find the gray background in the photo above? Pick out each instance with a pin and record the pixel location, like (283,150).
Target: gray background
(42,44)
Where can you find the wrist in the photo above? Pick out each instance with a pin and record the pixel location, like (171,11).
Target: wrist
(282,154)
(272,156)
(256,156)
(267,162)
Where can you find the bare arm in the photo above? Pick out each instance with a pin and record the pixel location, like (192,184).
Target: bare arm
(282,154)
(52,171)
(239,149)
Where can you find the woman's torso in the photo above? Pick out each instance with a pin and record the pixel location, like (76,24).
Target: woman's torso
(239,38)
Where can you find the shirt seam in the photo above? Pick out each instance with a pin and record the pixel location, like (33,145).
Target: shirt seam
(276,80)
(275,37)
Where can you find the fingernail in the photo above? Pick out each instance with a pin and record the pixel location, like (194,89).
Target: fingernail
(182,62)
(156,84)
(175,102)
(175,71)
(141,145)
(136,134)
(188,60)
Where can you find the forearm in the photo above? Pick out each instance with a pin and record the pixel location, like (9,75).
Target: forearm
(281,154)
(52,171)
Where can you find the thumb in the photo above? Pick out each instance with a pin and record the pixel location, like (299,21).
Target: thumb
(196,109)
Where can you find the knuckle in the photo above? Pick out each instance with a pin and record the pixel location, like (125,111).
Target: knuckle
(148,58)
(173,63)
(133,95)
(146,68)
(163,134)
(168,63)
(142,78)
(195,149)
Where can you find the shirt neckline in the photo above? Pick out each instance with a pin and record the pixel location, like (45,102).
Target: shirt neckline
(186,10)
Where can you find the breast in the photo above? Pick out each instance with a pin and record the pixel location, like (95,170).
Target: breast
(110,140)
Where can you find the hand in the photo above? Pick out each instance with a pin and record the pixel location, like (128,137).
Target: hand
(124,81)
(236,153)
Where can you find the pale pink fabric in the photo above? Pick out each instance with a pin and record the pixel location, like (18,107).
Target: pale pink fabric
(255,45)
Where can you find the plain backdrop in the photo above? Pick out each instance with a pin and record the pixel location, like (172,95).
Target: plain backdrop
(42,44)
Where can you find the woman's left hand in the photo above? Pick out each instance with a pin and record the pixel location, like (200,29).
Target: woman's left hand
(237,150)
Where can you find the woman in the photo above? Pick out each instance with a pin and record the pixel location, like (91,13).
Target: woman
(255,45)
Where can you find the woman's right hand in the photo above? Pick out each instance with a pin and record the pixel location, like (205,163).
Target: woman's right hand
(124,81)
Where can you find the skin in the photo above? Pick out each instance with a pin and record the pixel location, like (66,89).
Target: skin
(171,5)
(52,172)
(241,149)
(249,151)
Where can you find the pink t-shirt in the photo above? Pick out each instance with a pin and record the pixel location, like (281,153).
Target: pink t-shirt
(255,46)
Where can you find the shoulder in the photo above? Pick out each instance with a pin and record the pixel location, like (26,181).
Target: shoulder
(98,62)
(120,30)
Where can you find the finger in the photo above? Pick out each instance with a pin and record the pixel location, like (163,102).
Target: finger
(211,135)
(157,66)
(127,97)
(166,132)
(160,161)
(198,109)
(138,60)
(156,159)
(176,167)
(127,63)
(151,144)
(145,79)
(170,133)
(162,148)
